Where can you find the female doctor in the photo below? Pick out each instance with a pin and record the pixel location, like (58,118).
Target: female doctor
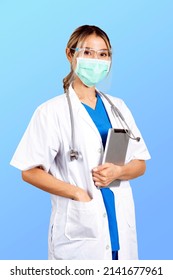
(61,153)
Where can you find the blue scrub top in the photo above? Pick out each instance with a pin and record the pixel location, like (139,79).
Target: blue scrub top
(102,122)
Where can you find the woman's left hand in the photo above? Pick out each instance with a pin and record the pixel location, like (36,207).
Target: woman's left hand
(104,174)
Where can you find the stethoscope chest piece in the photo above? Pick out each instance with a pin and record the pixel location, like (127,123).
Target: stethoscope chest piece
(74,155)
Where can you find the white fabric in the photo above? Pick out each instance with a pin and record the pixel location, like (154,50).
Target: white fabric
(80,230)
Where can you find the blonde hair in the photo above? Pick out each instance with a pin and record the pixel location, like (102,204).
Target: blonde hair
(77,39)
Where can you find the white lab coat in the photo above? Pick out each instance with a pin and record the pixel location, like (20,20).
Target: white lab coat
(79,230)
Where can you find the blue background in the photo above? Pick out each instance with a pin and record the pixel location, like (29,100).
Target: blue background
(33,37)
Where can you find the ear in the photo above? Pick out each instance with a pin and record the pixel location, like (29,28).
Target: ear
(69,55)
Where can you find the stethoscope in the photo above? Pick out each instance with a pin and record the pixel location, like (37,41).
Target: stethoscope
(73,153)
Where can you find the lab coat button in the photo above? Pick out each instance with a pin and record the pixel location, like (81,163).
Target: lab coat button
(104,215)
(99,150)
(107,247)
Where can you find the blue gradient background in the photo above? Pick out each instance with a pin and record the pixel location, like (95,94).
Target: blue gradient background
(33,37)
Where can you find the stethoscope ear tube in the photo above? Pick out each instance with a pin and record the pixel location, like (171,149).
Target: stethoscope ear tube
(123,121)
(116,112)
(73,154)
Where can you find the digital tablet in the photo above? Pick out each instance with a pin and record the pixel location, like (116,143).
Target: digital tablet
(116,149)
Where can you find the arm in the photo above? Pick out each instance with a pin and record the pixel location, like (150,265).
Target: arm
(104,174)
(46,182)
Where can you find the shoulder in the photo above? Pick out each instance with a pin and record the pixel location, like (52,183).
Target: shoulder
(52,105)
(121,106)
(117,101)
(50,111)
(53,102)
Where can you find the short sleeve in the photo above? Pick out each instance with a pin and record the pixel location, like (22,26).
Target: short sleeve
(136,150)
(40,142)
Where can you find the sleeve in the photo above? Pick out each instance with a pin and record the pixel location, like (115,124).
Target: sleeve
(40,142)
(136,150)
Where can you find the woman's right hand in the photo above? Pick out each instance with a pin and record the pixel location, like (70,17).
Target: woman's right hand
(82,195)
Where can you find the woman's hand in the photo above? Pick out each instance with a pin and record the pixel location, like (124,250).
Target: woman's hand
(81,195)
(106,173)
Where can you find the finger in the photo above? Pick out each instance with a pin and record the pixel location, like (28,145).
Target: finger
(100,168)
(100,181)
(98,177)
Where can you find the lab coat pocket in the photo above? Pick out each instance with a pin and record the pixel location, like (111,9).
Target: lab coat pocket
(82,221)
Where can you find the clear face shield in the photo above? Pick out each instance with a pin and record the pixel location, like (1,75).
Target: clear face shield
(104,54)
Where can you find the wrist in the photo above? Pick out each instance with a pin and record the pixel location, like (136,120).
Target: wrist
(77,195)
(74,192)
(118,172)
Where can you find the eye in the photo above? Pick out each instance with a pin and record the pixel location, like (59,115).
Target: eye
(87,52)
(104,54)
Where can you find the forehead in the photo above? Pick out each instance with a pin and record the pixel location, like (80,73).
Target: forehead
(94,42)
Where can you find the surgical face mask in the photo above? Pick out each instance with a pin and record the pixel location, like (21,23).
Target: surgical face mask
(91,71)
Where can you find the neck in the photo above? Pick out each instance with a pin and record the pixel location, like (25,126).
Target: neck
(84,92)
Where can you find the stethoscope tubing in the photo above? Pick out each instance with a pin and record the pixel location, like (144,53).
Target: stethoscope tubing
(116,112)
